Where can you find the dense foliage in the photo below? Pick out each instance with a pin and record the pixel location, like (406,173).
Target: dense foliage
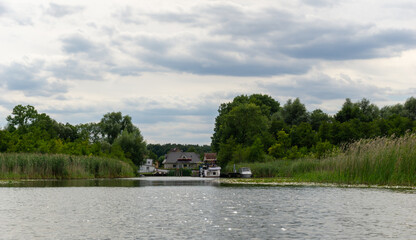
(114,136)
(257,129)
(379,161)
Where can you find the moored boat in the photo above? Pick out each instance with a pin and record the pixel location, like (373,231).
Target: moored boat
(245,172)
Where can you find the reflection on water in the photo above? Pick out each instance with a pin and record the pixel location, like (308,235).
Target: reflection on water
(193,208)
(122,182)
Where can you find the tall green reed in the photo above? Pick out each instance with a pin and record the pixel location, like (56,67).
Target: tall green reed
(45,166)
(382,161)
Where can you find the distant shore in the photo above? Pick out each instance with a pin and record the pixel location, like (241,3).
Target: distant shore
(292,182)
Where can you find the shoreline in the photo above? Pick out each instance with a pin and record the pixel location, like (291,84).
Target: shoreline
(284,182)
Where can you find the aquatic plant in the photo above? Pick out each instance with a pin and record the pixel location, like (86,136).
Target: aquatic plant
(59,166)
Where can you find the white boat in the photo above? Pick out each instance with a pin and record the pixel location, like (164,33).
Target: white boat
(245,172)
(212,172)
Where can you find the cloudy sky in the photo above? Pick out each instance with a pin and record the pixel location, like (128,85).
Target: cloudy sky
(169,64)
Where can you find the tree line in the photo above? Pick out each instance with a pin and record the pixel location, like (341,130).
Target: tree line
(256,128)
(32,132)
(158,151)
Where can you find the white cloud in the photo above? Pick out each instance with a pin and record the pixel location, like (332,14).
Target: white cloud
(58,11)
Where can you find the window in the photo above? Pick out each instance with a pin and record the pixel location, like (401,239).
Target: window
(174,165)
(214,173)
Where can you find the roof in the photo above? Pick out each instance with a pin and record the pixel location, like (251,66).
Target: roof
(188,157)
(210,156)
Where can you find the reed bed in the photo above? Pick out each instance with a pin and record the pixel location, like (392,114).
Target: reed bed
(379,161)
(45,166)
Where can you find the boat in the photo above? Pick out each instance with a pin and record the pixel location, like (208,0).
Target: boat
(211,172)
(209,167)
(245,172)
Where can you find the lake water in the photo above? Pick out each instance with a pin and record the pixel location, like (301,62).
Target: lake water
(193,208)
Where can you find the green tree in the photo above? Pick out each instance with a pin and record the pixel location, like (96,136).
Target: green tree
(22,117)
(303,135)
(88,131)
(294,112)
(256,153)
(245,123)
(398,125)
(368,112)
(409,108)
(280,149)
(323,149)
(225,154)
(388,111)
(241,154)
(112,124)
(324,132)
(348,111)
(317,117)
(267,105)
(133,145)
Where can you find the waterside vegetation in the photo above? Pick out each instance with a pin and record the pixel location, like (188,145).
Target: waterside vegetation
(59,166)
(360,144)
(378,161)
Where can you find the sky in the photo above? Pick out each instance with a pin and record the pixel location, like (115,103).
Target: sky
(170,64)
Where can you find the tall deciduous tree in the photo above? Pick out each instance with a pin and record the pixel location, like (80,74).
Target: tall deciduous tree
(22,116)
(294,112)
(317,118)
(133,145)
(245,123)
(112,125)
(410,108)
(348,111)
(267,105)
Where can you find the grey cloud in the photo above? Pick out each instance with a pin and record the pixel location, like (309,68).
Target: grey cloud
(127,70)
(14,16)
(3,9)
(214,58)
(164,114)
(76,70)
(320,3)
(171,115)
(316,90)
(77,44)
(26,78)
(127,15)
(20,77)
(156,45)
(146,110)
(386,43)
(226,66)
(287,42)
(175,17)
(87,60)
(58,11)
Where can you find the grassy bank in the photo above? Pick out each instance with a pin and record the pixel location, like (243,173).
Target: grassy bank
(43,166)
(380,161)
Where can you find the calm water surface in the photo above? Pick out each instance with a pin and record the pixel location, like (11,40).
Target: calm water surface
(193,208)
